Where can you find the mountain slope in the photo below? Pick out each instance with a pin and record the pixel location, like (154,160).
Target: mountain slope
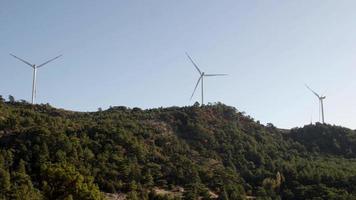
(207,149)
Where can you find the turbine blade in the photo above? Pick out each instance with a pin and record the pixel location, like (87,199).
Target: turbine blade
(22,60)
(196,87)
(215,74)
(316,94)
(195,65)
(41,65)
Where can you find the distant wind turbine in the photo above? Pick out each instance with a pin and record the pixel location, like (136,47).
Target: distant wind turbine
(35,67)
(321,102)
(201,78)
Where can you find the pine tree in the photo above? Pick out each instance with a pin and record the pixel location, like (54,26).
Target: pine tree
(224,195)
(4,183)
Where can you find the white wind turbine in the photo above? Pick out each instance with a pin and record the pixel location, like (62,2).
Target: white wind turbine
(35,67)
(321,103)
(201,78)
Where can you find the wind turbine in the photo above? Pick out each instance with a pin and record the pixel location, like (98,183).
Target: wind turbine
(321,102)
(35,67)
(201,78)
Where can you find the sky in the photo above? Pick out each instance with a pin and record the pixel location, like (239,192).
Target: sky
(132,53)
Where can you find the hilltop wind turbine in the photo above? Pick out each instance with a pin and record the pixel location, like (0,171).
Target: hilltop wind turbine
(321,104)
(35,67)
(201,78)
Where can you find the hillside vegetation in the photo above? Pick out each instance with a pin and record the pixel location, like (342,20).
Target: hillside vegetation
(49,153)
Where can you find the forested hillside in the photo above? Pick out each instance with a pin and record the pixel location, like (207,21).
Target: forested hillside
(208,152)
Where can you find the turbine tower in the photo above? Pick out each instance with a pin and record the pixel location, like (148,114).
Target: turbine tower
(321,103)
(35,67)
(201,78)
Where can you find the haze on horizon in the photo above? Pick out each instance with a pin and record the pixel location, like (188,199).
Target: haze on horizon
(132,54)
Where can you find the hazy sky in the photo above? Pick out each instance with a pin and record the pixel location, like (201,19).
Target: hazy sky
(131,53)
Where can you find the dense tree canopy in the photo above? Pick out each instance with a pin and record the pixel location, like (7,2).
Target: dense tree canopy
(48,153)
